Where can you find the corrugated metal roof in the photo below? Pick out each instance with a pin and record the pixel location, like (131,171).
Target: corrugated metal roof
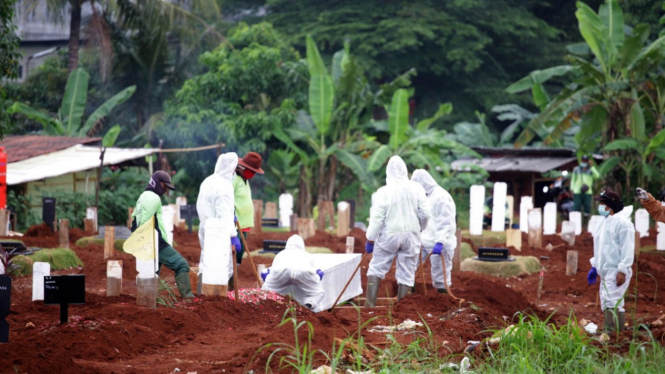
(526,151)
(70,160)
(23,147)
(509,163)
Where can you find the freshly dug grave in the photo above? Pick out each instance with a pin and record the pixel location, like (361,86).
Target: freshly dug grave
(220,335)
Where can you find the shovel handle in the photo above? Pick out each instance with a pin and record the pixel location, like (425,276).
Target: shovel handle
(249,255)
(235,273)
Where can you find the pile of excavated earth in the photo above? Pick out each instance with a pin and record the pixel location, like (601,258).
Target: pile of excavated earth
(217,334)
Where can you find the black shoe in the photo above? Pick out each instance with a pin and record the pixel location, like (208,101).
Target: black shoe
(309,306)
(231,285)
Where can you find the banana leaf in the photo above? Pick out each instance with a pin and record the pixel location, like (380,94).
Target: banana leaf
(398,118)
(73,102)
(106,108)
(111,136)
(379,157)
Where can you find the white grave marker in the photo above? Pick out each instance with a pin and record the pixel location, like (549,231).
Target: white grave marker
(167,218)
(549,226)
(594,224)
(285,209)
(511,209)
(476,210)
(39,271)
(526,204)
(576,218)
(217,249)
(180,201)
(146,268)
(642,222)
(568,232)
(536,228)
(499,209)
(660,239)
(91,213)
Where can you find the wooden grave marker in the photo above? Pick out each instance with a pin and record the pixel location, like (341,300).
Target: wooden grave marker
(64,233)
(113,278)
(109,241)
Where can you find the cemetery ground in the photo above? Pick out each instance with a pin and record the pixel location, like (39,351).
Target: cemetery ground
(215,334)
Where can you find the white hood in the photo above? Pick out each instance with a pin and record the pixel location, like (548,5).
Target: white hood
(396,170)
(425,179)
(295,242)
(226,165)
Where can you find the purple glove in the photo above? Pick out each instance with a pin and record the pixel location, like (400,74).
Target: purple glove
(235,219)
(438,247)
(236,242)
(320,273)
(369,247)
(264,274)
(591,277)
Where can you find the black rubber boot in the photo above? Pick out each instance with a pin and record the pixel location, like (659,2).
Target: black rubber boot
(610,321)
(184,285)
(622,321)
(372,291)
(402,291)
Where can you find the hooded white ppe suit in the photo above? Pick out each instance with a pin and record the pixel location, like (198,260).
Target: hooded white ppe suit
(292,273)
(613,252)
(399,212)
(216,200)
(440,229)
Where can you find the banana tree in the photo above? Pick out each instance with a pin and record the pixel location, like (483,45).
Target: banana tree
(68,121)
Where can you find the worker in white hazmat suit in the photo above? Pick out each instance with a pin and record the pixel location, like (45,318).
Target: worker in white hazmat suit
(292,273)
(613,253)
(216,200)
(439,236)
(399,212)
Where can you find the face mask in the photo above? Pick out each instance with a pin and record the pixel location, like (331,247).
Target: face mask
(584,164)
(248,174)
(602,210)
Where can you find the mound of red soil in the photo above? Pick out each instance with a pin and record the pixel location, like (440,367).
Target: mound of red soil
(37,231)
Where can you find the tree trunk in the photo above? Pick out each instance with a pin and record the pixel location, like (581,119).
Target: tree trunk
(99,178)
(330,179)
(74,35)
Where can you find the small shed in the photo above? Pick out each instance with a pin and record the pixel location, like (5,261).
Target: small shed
(522,169)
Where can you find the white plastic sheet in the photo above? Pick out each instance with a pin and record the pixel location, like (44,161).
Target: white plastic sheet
(594,223)
(338,269)
(526,204)
(39,271)
(476,210)
(217,249)
(549,225)
(499,209)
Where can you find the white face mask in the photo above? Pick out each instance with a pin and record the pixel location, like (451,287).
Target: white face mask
(603,210)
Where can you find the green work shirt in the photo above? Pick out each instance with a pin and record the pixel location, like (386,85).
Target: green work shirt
(581,177)
(243,202)
(148,205)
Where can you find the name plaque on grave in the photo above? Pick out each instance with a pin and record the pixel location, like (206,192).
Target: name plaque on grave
(270,222)
(64,290)
(274,246)
(493,254)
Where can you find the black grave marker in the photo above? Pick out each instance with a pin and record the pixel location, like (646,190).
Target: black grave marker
(270,222)
(494,254)
(5,303)
(188,213)
(48,212)
(64,290)
(273,246)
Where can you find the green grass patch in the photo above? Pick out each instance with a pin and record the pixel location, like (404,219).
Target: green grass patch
(90,240)
(521,265)
(466,251)
(59,258)
(488,239)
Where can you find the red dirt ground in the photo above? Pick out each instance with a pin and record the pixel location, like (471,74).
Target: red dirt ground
(215,335)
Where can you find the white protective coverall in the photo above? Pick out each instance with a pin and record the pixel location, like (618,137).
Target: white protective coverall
(399,212)
(292,273)
(613,252)
(440,229)
(216,199)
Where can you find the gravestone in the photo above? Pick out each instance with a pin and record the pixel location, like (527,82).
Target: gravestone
(5,306)
(180,201)
(114,278)
(642,222)
(167,219)
(48,212)
(535,228)
(130,219)
(91,214)
(350,243)
(271,210)
(39,271)
(571,263)
(326,211)
(576,219)
(514,238)
(4,222)
(526,204)
(147,280)
(273,246)
(660,239)
(64,233)
(477,201)
(343,217)
(258,214)
(499,208)
(594,224)
(285,209)
(188,213)
(549,217)
(109,241)
(215,258)
(568,232)
(64,290)
(306,227)
(352,213)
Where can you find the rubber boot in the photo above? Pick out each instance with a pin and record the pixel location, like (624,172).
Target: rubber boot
(372,291)
(402,291)
(199,285)
(622,321)
(184,285)
(610,325)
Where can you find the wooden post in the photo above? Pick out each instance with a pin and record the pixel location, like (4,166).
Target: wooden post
(638,245)
(88,225)
(514,238)
(64,233)
(114,278)
(350,242)
(294,223)
(146,292)
(457,257)
(4,220)
(571,263)
(321,223)
(215,290)
(343,217)
(271,210)
(91,213)
(258,214)
(109,239)
(130,210)
(194,278)
(306,227)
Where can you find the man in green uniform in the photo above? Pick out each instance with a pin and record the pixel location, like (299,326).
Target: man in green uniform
(149,205)
(581,183)
(247,167)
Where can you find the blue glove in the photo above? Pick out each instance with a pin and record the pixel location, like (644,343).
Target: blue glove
(264,274)
(236,242)
(591,277)
(369,247)
(438,247)
(320,273)
(235,219)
